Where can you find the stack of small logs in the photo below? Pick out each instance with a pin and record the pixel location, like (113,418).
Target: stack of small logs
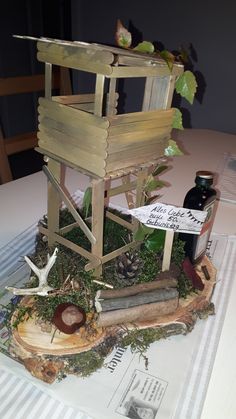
(137,303)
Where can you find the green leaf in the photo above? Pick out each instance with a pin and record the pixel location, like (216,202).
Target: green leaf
(152,184)
(177,120)
(145,46)
(159,169)
(142,232)
(173,149)
(123,36)
(186,85)
(156,240)
(168,57)
(87,200)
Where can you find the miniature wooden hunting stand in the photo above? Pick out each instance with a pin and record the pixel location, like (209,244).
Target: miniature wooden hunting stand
(85,132)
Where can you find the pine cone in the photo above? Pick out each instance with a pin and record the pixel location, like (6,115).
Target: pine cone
(127,267)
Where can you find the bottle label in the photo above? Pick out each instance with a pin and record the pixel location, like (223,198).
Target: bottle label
(205,232)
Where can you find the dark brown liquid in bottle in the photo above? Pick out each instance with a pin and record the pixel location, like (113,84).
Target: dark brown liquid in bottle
(200,197)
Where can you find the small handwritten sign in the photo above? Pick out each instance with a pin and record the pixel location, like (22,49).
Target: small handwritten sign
(169,217)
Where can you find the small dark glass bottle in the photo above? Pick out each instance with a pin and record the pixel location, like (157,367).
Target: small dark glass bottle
(201,197)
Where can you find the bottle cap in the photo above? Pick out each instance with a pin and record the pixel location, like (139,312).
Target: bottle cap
(204,174)
(203,177)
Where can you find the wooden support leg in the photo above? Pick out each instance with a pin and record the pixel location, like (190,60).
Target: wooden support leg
(69,205)
(112,98)
(99,92)
(129,194)
(54,201)
(48,80)
(147,94)
(98,220)
(142,178)
(140,196)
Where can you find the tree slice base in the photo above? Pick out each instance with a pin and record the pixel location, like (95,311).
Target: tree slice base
(31,345)
(30,336)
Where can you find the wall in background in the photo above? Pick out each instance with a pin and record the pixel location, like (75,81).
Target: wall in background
(209,27)
(19,57)
(18,113)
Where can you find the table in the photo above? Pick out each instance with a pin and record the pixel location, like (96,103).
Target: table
(23,202)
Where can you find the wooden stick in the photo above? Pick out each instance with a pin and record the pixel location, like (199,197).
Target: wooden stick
(67,243)
(162,294)
(99,93)
(121,188)
(74,99)
(140,197)
(86,118)
(51,131)
(135,289)
(117,252)
(137,117)
(68,228)
(112,98)
(69,205)
(68,123)
(147,94)
(73,62)
(78,52)
(114,254)
(105,284)
(48,80)
(128,130)
(119,220)
(97,220)
(123,152)
(136,314)
(121,72)
(54,201)
(87,107)
(159,93)
(167,250)
(128,193)
(66,162)
(169,94)
(79,158)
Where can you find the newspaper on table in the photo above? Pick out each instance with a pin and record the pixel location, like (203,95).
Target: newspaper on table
(227,178)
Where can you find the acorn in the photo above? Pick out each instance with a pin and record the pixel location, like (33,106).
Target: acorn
(69,317)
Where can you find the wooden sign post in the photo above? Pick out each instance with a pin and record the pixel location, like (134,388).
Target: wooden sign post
(167,250)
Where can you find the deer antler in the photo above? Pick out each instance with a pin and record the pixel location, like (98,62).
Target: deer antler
(43,288)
